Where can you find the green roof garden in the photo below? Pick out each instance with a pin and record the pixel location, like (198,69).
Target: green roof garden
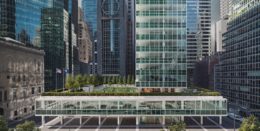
(130,91)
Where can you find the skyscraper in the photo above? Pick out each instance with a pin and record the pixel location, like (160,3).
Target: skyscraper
(198,32)
(237,75)
(112,38)
(161,45)
(90,16)
(22,20)
(224,8)
(130,56)
(54,36)
(84,40)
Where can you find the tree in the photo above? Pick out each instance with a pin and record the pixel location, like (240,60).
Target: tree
(132,80)
(179,126)
(27,126)
(105,80)
(113,81)
(81,81)
(3,124)
(69,82)
(250,124)
(128,79)
(124,80)
(86,79)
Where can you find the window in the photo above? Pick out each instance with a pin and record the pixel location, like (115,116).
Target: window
(25,110)
(39,89)
(8,77)
(33,108)
(14,93)
(15,113)
(32,90)
(1,96)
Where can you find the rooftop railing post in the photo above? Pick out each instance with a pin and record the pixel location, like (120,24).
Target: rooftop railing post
(43,121)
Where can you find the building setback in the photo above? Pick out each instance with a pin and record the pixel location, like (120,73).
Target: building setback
(21,78)
(112,38)
(161,45)
(237,76)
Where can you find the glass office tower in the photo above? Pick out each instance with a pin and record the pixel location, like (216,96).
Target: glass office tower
(161,46)
(21,20)
(238,73)
(112,38)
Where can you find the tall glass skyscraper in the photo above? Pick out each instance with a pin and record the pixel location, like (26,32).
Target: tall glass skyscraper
(198,33)
(161,46)
(21,20)
(39,23)
(112,38)
(90,11)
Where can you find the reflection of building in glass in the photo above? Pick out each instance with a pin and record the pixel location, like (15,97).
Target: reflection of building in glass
(198,32)
(90,16)
(21,20)
(160,107)
(161,45)
(237,76)
(84,42)
(112,40)
(54,36)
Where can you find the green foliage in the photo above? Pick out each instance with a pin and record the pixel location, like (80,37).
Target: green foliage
(89,94)
(3,124)
(128,79)
(81,80)
(179,126)
(72,83)
(250,124)
(27,126)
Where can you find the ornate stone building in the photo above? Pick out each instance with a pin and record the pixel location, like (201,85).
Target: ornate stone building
(21,78)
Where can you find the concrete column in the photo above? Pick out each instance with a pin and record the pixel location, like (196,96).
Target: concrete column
(80,120)
(118,120)
(43,120)
(61,120)
(137,120)
(163,120)
(99,120)
(201,120)
(182,105)
(220,120)
(182,118)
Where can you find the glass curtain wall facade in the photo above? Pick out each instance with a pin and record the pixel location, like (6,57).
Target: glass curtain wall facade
(112,27)
(161,46)
(54,33)
(21,20)
(198,33)
(89,8)
(238,74)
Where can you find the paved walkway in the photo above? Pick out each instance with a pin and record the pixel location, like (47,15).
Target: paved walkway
(127,124)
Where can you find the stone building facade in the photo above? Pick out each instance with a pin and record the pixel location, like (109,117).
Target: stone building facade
(21,78)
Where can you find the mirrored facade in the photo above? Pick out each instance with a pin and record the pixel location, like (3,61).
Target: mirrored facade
(21,20)
(161,46)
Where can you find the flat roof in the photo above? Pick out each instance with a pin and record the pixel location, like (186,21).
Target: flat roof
(129,98)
